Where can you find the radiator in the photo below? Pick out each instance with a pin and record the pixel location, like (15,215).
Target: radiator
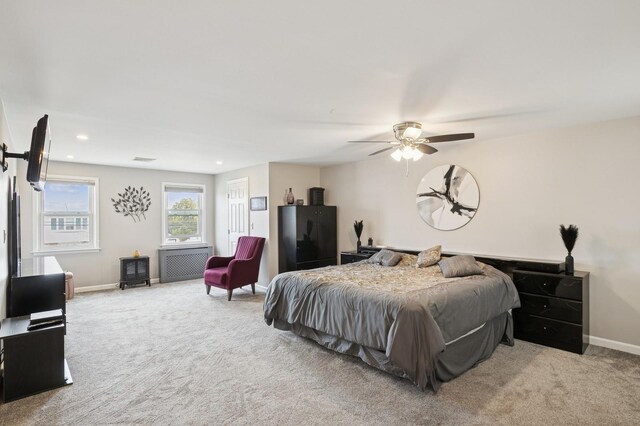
(179,264)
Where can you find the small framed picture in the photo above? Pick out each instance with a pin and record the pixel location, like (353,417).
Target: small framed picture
(300,202)
(258,203)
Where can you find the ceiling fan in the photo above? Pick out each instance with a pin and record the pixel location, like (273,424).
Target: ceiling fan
(409,145)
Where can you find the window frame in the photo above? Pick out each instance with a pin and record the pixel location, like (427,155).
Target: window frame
(93,221)
(203,214)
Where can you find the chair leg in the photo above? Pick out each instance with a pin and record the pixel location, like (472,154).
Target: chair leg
(253,288)
(229,293)
(208,288)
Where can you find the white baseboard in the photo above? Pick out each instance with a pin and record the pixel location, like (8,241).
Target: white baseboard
(103,287)
(613,344)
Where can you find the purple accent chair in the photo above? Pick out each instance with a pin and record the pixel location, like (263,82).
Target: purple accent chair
(238,270)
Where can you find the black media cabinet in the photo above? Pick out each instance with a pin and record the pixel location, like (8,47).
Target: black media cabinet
(38,286)
(34,360)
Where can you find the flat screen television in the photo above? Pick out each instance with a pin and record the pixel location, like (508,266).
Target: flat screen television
(39,154)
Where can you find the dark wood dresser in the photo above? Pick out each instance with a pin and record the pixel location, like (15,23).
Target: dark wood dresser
(555,309)
(307,237)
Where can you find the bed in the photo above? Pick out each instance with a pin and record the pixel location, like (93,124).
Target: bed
(411,322)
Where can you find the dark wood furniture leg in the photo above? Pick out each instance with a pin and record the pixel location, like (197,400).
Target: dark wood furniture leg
(229,293)
(253,288)
(208,287)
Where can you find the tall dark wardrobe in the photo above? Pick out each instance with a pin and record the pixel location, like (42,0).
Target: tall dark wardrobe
(307,237)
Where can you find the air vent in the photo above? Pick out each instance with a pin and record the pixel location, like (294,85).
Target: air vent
(143,159)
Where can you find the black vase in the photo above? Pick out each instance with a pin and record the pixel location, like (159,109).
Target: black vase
(568,265)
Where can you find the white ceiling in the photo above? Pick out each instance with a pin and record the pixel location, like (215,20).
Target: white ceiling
(245,82)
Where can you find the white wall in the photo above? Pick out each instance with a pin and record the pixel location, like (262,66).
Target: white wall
(119,235)
(282,177)
(529,184)
(5,137)
(258,177)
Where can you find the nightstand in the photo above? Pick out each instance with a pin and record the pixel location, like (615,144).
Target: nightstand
(554,309)
(353,256)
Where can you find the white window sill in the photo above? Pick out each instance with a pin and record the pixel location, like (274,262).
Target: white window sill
(68,251)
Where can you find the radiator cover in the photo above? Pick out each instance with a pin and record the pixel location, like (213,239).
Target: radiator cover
(179,264)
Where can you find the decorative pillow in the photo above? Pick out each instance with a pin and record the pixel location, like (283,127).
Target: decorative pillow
(386,258)
(459,266)
(407,260)
(429,257)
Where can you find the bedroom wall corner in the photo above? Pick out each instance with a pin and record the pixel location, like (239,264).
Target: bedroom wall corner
(119,236)
(258,220)
(529,184)
(283,176)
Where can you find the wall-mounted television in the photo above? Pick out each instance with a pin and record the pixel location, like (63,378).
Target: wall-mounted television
(39,154)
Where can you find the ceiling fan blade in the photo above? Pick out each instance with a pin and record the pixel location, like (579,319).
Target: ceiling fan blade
(426,149)
(380,151)
(451,138)
(369,141)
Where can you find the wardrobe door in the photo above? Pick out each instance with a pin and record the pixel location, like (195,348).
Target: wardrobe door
(327,235)
(306,233)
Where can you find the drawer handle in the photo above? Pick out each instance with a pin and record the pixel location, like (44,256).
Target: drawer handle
(544,328)
(544,306)
(544,284)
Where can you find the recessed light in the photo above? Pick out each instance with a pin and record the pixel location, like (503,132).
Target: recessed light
(218,162)
(70,157)
(82,137)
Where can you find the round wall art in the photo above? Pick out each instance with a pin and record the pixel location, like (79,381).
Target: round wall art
(448,197)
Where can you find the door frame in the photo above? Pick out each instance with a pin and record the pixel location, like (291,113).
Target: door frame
(246,205)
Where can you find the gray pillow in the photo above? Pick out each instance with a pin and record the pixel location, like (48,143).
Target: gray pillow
(429,257)
(386,258)
(459,266)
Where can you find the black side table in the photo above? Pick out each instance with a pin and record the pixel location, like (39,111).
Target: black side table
(352,257)
(134,270)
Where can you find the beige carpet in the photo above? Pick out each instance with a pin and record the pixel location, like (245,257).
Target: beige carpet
(170,354)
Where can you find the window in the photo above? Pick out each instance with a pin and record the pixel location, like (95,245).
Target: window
(183,213)
(67,215)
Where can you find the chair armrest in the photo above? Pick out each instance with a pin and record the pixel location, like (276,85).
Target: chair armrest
(217,262)
(242,270)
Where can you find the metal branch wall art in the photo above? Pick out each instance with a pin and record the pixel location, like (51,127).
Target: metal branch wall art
(133,203)
(447,197)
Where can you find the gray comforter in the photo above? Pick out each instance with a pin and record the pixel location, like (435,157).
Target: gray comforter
(405,312)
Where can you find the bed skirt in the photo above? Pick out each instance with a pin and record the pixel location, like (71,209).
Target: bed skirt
(459,356)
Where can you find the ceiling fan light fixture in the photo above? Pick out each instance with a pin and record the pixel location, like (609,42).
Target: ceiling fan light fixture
(417,155)
(412,133)
(407,152)
(407,130)
(397,154)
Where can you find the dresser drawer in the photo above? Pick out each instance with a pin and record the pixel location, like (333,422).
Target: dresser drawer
(559,285)
(549,332)
(352,257)
(551,307)
(321,263)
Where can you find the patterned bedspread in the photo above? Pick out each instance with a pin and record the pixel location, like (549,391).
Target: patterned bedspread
(408,313)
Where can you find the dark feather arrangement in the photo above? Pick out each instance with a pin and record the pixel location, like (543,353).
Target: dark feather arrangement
(358,225)
(569,236)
